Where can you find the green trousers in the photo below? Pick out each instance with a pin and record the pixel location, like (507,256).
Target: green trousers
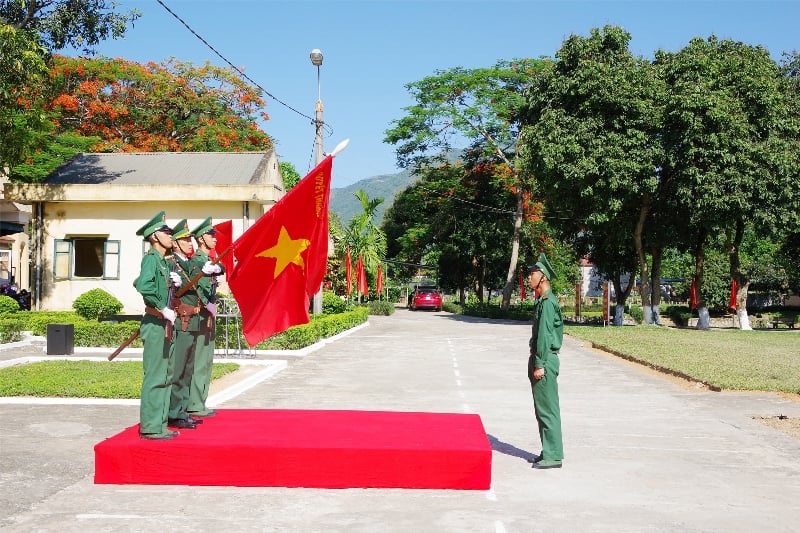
(157,363)
(183,370)
(203,361)
(546,408)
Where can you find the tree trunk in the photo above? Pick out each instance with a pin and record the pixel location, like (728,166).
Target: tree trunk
(703,318)
(742,283)
(622,297)
(512,264)
(644,289)
(655,287)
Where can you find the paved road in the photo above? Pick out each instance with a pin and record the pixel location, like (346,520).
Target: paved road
(642,452)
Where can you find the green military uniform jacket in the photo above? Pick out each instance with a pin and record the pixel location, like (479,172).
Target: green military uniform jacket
(190,300)
(548,328)
(153,280)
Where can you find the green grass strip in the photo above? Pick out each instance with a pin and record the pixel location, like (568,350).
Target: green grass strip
(82,379)
(724,359)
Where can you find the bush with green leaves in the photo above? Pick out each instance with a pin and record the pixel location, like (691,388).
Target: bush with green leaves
(36,321)
(96,304)
(8,305)
(380,308)
(332,304)
(11,328)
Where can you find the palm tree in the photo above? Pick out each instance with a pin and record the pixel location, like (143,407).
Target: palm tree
(362,236)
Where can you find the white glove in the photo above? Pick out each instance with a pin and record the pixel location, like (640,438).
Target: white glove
(175,278)
(211,268)
(168,314)
(212,308)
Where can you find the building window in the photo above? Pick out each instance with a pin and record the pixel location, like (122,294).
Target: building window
(86,257)
(6,275)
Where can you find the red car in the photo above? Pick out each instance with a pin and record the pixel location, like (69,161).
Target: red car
(425,298)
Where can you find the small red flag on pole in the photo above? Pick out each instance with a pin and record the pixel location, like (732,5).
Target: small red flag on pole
(523,294)
(693,295)
(348,269)
(734,288)
(379,281)
(361,277)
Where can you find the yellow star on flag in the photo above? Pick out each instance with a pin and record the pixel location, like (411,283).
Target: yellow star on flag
(286,251)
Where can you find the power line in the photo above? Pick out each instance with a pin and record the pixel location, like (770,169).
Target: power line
(234,67)
(485,207)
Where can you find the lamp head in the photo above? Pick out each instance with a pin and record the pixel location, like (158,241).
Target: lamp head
(316,57)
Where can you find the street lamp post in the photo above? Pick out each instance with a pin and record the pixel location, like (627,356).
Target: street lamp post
(316,60)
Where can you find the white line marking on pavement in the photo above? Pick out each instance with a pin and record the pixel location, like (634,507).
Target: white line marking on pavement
(245,384)
(499,527)
(95,516)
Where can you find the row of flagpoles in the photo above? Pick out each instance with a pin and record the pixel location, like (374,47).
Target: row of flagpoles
(361,276)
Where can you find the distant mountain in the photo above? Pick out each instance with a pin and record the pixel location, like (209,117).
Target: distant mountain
(385,186)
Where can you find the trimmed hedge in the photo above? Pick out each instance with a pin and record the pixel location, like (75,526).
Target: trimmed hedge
(91,333)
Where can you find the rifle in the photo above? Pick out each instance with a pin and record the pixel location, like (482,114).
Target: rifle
(123,345)
(199,275)
(183,290)
(170,294)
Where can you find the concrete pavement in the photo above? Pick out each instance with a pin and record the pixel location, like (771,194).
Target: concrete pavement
(643,453)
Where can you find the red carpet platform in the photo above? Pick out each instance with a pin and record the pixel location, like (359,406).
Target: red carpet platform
(307,448)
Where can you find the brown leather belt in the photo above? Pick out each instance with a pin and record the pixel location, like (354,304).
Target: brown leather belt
(154,312)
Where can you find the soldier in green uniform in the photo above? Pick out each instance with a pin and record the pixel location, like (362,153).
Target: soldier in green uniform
(205,235)
(153,284)
(543,363)
(187,327)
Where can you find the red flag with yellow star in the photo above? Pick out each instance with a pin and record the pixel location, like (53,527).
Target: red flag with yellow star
(281,258)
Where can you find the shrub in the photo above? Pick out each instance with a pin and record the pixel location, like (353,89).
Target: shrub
(37,321)
(380,308)
(96,304)
(636,313)
(8,305)
(451,307)
(332,304)
(109,334)
(11,329)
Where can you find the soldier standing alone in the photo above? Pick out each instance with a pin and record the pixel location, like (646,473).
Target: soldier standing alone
(543,363)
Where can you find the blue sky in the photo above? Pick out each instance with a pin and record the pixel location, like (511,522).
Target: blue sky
(372,48)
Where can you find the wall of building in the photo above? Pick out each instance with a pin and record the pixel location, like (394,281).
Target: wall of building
(119,221)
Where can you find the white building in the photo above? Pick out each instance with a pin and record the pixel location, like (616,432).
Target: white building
(86,213)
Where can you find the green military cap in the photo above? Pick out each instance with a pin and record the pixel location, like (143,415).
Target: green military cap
(544,265)
(204,227)
(157,223)
(181,230)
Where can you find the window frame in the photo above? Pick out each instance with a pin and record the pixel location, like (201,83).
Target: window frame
(64,257)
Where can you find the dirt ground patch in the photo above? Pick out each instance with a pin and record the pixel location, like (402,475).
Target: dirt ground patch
(790,426)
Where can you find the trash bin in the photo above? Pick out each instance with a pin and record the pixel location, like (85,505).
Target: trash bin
(60,339)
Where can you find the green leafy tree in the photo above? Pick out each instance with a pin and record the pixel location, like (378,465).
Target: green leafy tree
(290,175)
(730,136)
(592,143)
(22,64)
(81,24)
(361,236)
(30,30)
(478,106)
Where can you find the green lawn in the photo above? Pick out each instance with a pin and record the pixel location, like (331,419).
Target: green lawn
(82,379)
(728,359)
